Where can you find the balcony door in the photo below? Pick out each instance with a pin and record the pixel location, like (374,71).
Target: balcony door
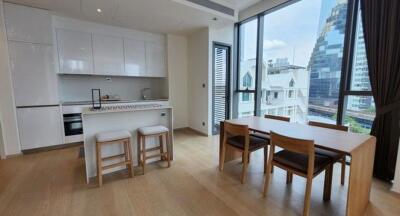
(220,88)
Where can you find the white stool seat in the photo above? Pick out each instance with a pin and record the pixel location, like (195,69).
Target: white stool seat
(153,130)
(112,135)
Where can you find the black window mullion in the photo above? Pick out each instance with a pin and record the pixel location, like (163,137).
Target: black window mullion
(347,61)
(259,65)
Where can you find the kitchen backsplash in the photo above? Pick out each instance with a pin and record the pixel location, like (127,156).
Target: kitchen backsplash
(78,87)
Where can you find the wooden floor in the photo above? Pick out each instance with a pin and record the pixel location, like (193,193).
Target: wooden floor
(53,183)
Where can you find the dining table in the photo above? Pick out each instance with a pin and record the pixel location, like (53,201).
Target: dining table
(359,147)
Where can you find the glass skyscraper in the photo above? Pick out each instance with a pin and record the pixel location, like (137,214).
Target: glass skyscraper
(325,63)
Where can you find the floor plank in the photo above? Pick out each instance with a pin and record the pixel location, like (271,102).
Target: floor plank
(53,183)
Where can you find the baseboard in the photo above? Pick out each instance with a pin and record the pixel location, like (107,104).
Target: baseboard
(198,132)
(396,189)
(13,155)
(49,148)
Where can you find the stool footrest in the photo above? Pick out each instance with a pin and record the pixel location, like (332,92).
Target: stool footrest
(153,149)
(116,164)
(156,155)
(113,157)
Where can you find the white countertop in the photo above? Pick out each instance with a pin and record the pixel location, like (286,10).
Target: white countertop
(124,108)
(74,103)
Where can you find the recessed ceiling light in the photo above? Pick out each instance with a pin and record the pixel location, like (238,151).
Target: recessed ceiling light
(99,10)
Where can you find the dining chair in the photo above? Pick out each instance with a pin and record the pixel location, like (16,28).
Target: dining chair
(298,157)
(267,136)
(237,136)
(274,117)
(335,156)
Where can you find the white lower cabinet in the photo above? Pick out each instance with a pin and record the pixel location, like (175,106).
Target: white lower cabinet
(39,127)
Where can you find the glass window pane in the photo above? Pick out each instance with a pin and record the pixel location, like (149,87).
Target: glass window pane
(246,104)
(247,55)
(360,76)
(302,60)
(359,113)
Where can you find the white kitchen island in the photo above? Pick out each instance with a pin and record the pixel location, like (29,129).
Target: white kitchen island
(122,117)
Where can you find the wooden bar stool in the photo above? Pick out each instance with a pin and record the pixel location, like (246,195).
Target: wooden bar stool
(153,131)
(113,137)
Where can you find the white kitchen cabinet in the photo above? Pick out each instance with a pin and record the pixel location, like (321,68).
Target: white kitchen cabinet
(74,52)
(135,57)
(155,60)
(108,55)
(27,24)
(39,127)
(32,69)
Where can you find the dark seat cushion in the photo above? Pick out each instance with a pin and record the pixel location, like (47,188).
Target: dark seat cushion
(261,136)
(255,143)
(299,162)
(335,156)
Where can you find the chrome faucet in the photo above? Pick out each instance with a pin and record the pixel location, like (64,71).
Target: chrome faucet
(144,97)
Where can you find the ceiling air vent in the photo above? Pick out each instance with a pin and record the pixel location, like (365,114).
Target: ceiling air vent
(214,6)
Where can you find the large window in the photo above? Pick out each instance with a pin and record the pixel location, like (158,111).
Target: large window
(247,67)
(300,69)
(359,106)
(302,55)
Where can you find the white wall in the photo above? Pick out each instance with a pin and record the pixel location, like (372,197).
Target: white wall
(259,7)
(2,153)
(7,105)
(198,53)
(177,50)
(396,181)
(78,87)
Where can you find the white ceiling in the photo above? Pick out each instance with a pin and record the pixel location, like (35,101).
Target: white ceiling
(238,4)
(158,16)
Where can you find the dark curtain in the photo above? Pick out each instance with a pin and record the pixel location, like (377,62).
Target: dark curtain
(381,22)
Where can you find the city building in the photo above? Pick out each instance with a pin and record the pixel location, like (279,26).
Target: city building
(285,90)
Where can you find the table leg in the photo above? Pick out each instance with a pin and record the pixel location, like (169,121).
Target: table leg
(360,179)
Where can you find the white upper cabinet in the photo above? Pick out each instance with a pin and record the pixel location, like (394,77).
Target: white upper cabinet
(155,60)
(28,24)
(75,52)
(32,68)
(135,57)
(108,54)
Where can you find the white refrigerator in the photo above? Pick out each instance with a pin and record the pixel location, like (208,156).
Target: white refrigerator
(36,95)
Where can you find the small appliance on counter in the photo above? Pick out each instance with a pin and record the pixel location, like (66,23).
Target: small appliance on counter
(96,99)
(110,98)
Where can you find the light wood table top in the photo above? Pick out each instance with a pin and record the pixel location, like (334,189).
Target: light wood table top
(360,147)
(334,140)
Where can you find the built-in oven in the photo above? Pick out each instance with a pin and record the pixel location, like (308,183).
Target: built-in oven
(73,124)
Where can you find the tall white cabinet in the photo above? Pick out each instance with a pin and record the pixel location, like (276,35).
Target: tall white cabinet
(29,34)
(32,67)
(27,24)
(74,52)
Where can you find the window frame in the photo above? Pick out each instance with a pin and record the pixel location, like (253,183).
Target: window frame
(347,60)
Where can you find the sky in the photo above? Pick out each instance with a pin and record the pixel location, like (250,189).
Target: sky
(290,32)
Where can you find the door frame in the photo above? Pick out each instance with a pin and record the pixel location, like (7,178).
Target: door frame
(228,47)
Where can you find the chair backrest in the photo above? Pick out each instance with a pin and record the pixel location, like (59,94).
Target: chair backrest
(235,129)
(281,118)
(329,126)
(292,144)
